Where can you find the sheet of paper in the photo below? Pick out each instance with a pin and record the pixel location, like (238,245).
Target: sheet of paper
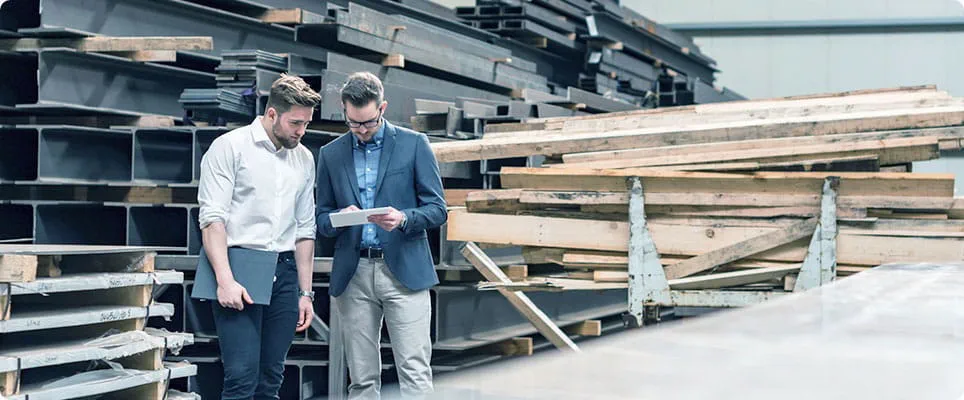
(359,217)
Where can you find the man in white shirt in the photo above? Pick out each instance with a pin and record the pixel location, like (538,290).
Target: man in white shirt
(256,192)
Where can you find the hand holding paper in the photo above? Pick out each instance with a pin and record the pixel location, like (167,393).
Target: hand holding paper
(348,217)
(388,221)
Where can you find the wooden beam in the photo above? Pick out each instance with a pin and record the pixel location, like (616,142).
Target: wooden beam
(858,163)
(841,98)
(457,197)
(687,240)
(852,183)
(520,346)
(394,60)
(506,200)
(148,55)
(592,327)
(112,44)
(742,249)
(556,198)
(291,16)
(18,268)
(684,118)
(526,145)
(520,301)
(710,281)
(517,272)
(8,383)
(890,151)
(946,133)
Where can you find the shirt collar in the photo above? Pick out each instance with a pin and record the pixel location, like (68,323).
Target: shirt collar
(261,136)
(378,138)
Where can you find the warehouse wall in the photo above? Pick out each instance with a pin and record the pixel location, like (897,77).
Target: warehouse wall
(779,65)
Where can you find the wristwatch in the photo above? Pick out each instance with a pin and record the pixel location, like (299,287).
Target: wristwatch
(307,293)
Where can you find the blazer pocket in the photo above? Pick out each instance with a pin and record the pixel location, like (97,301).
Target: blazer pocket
(396,171)
(417,236)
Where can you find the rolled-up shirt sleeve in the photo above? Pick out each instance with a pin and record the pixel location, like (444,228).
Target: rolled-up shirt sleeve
(305,203)
(216,185)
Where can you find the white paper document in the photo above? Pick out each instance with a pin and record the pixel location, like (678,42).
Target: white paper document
(360,217)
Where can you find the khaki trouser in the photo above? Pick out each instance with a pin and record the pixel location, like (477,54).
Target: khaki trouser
(372,295)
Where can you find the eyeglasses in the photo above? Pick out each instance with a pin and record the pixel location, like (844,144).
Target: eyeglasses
(368,124)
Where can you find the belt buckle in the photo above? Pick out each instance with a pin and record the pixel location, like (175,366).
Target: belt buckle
(368,251)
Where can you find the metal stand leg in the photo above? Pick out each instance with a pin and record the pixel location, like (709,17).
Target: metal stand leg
(820,265)
(647,282)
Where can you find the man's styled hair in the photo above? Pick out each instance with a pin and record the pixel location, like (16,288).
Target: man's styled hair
(361,89)
(289,90)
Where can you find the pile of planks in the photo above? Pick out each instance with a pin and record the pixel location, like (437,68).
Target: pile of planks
(732,191)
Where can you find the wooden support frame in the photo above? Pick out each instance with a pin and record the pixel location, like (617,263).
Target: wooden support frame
(520,301)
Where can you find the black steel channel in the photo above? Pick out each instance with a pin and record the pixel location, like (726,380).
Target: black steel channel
(415,33)
(307,65)
(626,62)
(558,69)
(469,318)
(544,17)
(65,78)
(342,63)
(563,7)
(598,103)
(157,225)
(429,7)
(706,93)
(64,154)
(193,232)
(332,109)
(675,37)
(80,223)
(464,69)
(203,137)
(647,45)
(19,153)
(557,42)
(156,18)
(18,221)
(163,155)
(243,7)
(448,23)
(549,111)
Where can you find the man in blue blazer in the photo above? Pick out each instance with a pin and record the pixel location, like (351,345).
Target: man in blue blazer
(383,269)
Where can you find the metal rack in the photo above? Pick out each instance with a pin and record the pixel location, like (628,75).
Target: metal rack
(649,289)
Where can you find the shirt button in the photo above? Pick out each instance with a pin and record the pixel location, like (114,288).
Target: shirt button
(368,169)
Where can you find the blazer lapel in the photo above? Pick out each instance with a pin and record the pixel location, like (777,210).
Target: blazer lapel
(386,155)
(349,163)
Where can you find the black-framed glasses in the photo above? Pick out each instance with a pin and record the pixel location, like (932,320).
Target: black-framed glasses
(368,124)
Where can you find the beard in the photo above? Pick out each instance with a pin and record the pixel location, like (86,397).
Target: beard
(286,141)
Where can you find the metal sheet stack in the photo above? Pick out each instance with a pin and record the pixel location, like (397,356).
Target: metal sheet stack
(73,324)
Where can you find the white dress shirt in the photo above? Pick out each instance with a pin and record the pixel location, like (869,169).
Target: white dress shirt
(264,196)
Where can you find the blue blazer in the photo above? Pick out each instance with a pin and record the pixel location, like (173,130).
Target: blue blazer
(409,180)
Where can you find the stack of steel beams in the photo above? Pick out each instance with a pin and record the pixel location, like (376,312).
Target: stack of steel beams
(95,147)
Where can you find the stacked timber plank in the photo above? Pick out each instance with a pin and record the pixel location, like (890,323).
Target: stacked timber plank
(732,192)
(73,323)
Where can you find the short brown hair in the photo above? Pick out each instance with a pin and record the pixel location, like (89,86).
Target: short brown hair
(289,90)
(361,89)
